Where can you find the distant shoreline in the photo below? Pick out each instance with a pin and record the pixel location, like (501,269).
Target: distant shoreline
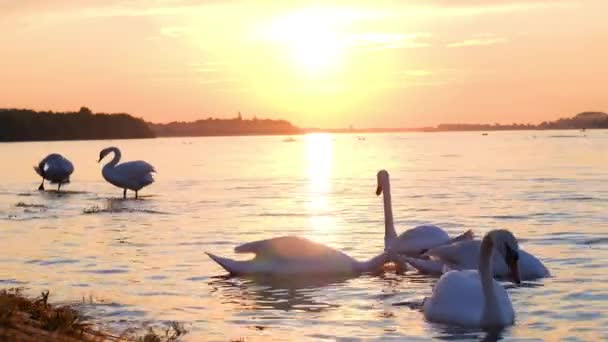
(21,125)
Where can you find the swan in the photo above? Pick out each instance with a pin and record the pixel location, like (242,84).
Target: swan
(415,241)
(465,255)
(54,168)
(472,298)
(294,255)
(133,175)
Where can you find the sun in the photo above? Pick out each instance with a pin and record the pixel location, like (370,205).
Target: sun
(315,50)
(309,41)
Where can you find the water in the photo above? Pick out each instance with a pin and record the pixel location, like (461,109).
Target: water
(143,261)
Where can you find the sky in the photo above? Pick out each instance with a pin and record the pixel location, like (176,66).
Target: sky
(323,64)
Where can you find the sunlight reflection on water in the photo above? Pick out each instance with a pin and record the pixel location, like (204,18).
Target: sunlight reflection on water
(143,261)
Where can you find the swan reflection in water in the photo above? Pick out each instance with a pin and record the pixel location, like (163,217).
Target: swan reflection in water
(454,333)
(277,293)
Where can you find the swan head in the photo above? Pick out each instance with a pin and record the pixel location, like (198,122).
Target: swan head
(507,247)
(103,153)
(383,181)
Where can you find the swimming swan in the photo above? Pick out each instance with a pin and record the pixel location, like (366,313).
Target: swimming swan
(415,241)
(133,175)
(293,255)
(54,168)
(465,255)
(472,298)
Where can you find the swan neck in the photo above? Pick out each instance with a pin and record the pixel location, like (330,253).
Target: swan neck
(372,265)
(390,234)
(116,158)
(487,277)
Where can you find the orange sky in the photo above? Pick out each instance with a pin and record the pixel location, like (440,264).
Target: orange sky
(317,64)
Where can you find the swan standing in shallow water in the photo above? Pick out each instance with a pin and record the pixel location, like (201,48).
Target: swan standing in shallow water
(293,255)
(473,298)
(465,255)
(133,175)
(54,168)
(415,241)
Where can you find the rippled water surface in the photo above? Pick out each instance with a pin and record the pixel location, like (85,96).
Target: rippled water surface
(143,261)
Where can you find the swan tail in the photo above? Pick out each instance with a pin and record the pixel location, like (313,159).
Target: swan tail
(426,266)
(232,266)
(466,236)
(39,171)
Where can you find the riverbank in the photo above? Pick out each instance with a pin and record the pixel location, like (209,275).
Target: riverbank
(25,319)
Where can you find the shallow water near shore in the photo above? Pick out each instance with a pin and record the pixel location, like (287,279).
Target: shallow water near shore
(136,261)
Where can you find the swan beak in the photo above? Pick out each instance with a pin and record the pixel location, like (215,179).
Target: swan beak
(515,272)
(378,190)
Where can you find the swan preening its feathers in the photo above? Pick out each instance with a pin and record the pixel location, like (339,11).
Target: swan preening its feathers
(54,168)
(469,297)
(465,255)
(297,255)
(133,175)
(472,298)
(430,250)
(293,255)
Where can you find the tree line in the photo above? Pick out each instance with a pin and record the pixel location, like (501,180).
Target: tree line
(25,125)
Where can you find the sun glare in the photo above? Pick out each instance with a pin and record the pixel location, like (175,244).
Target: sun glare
(309,40)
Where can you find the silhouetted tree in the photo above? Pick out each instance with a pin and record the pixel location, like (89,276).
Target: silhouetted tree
(23,125)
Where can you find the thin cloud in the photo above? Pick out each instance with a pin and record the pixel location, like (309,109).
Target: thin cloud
(415,73)
(380,41)
(477,42)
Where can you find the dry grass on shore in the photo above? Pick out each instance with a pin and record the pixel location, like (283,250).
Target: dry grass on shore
(27,320)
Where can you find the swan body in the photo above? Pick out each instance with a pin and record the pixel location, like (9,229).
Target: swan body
(465,255)
(415,241)
(133,175)
(293,255)
(54,168)
(472,298)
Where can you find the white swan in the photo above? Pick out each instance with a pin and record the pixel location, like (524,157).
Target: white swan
(54,168)
(293,255)
(465,255)
(473,298)
(415,241)
(132,175)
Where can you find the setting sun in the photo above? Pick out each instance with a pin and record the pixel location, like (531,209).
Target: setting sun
(311,43)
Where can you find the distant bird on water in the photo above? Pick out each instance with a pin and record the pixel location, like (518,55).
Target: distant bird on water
(133,175)
(56,169)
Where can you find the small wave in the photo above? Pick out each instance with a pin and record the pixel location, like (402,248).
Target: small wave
(596,241)
(505,217)
(11,281)
(107,271)
(285,214)
(30,205)
(566,136)
(54,262)
(98,210)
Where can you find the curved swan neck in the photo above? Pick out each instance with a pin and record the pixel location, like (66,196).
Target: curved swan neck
(390,234)
(116,158)
(372,265)
(487,278)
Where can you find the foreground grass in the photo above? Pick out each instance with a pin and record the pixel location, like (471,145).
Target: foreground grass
(27,320)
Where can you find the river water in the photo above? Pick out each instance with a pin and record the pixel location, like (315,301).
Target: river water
(137,262)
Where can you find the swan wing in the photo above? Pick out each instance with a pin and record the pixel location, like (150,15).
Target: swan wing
(289,248)
(457,299)
(55,168)
(138,170)
(419,239)
(460,255)
(426,266)
(531,267)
